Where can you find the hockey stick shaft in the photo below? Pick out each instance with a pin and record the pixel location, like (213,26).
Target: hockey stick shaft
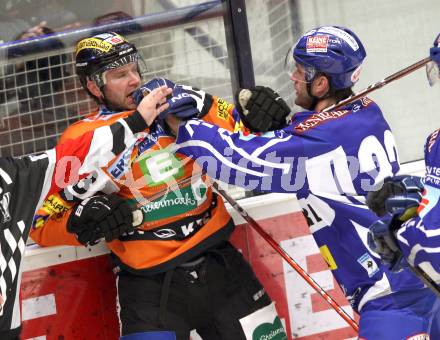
(267,238)
(254,224)
(419,272)
(279,249)
(379,84)
(425,278)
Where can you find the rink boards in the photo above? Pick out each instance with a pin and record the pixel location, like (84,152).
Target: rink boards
(69,292)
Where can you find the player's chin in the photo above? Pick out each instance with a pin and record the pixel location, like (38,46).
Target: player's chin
(130,104)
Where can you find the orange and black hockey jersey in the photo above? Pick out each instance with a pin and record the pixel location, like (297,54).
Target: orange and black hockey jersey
(25,182)
(182,215)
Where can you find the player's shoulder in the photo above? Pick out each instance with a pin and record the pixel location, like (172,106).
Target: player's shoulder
(89,123)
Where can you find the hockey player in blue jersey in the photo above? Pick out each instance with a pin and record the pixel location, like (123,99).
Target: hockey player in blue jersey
(330,160)
(416,240)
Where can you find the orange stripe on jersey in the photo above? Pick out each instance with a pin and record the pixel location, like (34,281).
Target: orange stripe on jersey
(90,123)
(178,224)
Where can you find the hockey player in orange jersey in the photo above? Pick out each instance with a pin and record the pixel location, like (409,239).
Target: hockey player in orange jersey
(178,271)
(44,174)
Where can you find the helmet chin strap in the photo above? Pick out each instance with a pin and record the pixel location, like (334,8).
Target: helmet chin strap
(315,99)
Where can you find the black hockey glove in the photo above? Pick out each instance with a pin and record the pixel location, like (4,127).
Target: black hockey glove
(399,193)
(382,240)
(396,202)
(261,109)
(102,217)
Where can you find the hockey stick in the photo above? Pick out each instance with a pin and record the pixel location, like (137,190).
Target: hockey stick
(379,84)
(184,181)
(425,278)
(273,243)
(419,272)
(254,224)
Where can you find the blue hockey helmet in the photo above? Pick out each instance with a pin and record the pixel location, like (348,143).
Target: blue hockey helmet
(331,50)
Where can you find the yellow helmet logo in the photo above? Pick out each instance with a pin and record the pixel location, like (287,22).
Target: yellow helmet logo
(94,43)
(99,44)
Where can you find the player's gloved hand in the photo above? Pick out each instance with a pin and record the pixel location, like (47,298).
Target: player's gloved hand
(433,67)
(183,100)
(102,217)
(398,194)
(382,240)
(261,109)
(396,201)
(149,86)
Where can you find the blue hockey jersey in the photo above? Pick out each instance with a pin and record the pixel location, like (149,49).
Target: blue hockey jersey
(419,237)
(330,160)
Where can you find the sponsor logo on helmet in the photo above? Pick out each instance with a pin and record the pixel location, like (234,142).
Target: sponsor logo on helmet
(128,50)
(115,40)
(93,43)
(356,73)
(317,43)
(342,35)
(104,36)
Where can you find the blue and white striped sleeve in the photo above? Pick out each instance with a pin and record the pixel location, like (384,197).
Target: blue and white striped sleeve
(419,237)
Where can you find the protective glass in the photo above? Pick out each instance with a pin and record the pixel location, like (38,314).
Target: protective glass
(303,74)
(99,78)
(432,72)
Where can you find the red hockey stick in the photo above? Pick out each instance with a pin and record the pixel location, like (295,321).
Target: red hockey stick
(254,224)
